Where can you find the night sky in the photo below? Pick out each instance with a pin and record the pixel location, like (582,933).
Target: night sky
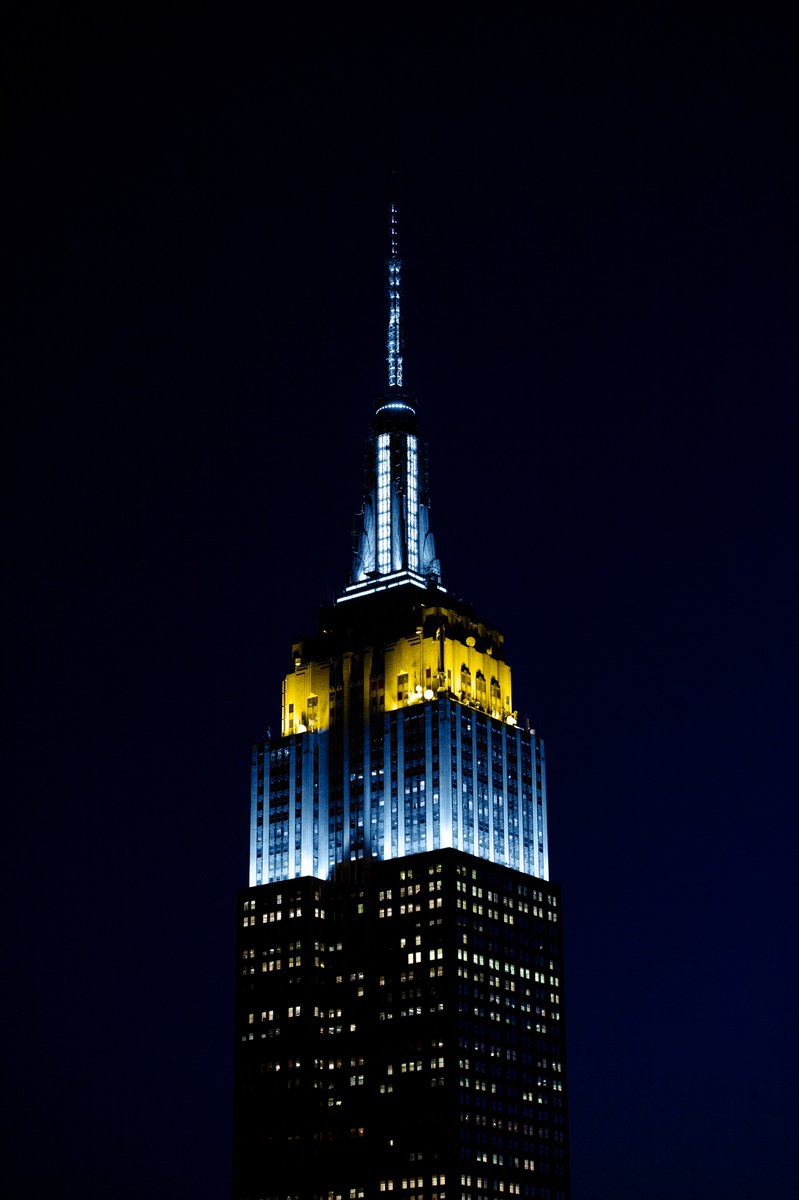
(598,216)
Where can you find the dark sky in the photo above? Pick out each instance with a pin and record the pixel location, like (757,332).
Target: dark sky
(599,222)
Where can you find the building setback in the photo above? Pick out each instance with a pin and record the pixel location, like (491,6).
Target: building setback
(399,1002)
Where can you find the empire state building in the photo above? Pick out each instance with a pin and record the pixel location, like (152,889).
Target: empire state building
(399,1002)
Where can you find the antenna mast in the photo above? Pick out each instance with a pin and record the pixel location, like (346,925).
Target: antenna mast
(394,342)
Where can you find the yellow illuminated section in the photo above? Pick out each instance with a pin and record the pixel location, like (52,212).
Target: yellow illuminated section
(457,660)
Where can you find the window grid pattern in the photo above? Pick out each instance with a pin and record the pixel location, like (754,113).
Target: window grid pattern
(412,502)
(433,775)
(384,503)
(471,1058)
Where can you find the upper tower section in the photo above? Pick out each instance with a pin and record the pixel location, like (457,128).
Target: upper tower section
(395,545)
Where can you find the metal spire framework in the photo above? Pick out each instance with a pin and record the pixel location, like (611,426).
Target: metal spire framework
(394,342)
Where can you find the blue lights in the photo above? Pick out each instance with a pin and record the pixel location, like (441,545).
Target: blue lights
(395,579)
(395,545)
(394,342)
(384,503)
(435,774)
(396,404)
(412,502)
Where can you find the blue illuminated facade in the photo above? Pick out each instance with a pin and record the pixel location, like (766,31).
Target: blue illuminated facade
(433,775)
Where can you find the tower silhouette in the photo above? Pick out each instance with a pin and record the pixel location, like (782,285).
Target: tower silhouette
(399,1003)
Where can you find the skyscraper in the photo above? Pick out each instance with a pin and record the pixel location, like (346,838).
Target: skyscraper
(399,1015)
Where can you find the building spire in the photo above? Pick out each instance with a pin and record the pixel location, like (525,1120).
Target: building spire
(394,341)
(396,544)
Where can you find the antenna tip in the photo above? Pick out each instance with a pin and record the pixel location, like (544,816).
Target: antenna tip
(393,230)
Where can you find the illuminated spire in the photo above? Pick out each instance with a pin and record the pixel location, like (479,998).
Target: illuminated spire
(396,545)
(394,342)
